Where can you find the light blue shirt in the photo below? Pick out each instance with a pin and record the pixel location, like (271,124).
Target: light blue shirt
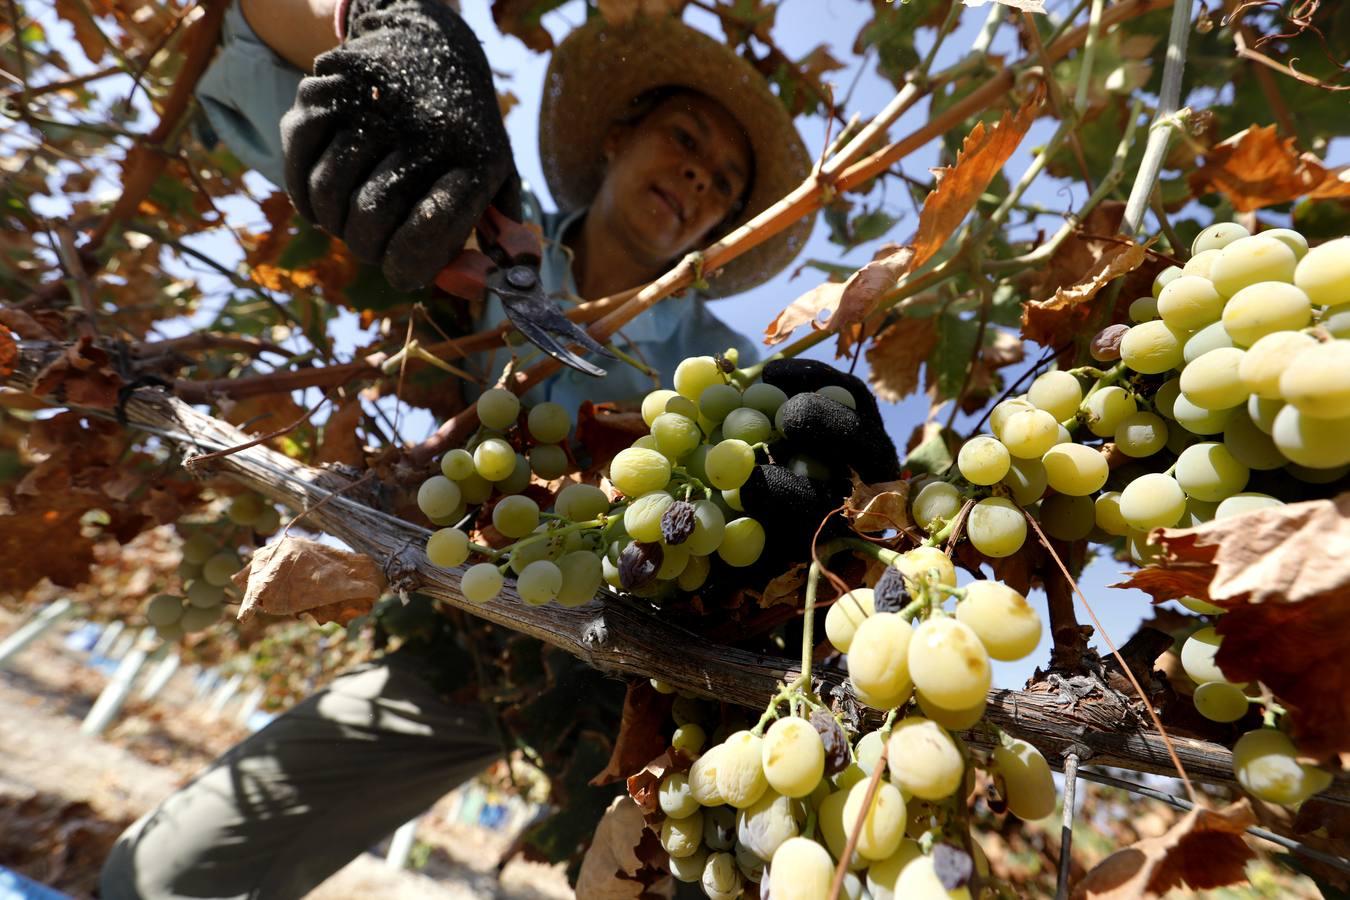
(248,88)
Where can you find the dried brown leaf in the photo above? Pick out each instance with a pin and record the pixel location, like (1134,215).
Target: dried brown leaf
(295,575)
(805,309)
(1257,168)
(604,430)
(625,860)
(339,442)
(9,353)
(521,18)
(787,589)
(1078,253)
(82,376)
(640,737)
(1066,314)
(896,355)
(878,507)
(1031,6)
(644,787)
(1203,850)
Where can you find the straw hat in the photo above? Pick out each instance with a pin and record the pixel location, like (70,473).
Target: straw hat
(597,72)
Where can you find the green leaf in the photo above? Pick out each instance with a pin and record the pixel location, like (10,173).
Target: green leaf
(951,356)
(308,244)
(370,290)
(934,454)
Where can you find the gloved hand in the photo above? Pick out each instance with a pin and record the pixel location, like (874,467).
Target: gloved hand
(790,504)
(395,143)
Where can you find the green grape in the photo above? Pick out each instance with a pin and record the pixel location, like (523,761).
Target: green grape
(1029,433)
(1143,552)
(867,752)
(675,798)
(1058,393)
(1250,445)
(1005,623)
(919,879)
(498,409)
(1317,382)
(457,464)
(648,442)
(694,575)
(846,614)
(793,757)
(801,869)
(1141,434)
(1218,236)
(481,583)
(548,461)
(655,403)
(683,837)
(998,416)
(582,575)
(197,618)
(1291,239)
(1238,504)
(1197,605)
(748,425)
(1162,279)
(1208,471)
(948,663)
(1220,702)
(763,826)
(689,869)
(523,555)
(1197,656)
(1267,359)
(1106,513)
(268,522)
(764,397)
(1145,309)
(475,489)
(676,436)
(245,509)
(1310,475)
(709,526)
(438,497)
(220,568)
(927,563)
(1075,470)
(611,573)
(1029,786)
(742,542)
(199,547)
(937,501)
(883,820)
(1265,308)
(983,460)
(925,760)
(717,400)
(1152,501)
(581,502)
(721,880)
(1212,337)
(838,394)
(1026,479)
(539,582)
(1189,303)
(494,459)
(1266,763)
(204,595)
(448,547)
(548,423)
(878,660)
(952,720)
(1315,443)
(996,527)
(164,609)
(689,739)
(673,560)
(731,500)
(1198,512)
(1107,408)
(883,877)
(695,374)
(1197,419)
(642,519)
(1067,518)
(1252,260)
(1166,396)
(740,772)
(729,464)
(518,480)
(1152,348)
(1324,273)
(1212,381)
(682,406)
(636,471)
(1199,265)
(515,516)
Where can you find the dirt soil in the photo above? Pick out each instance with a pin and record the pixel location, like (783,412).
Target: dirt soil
(65,796)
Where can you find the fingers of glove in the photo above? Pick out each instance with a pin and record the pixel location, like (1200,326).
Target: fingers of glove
(382,204)
(797,376)
(789,504)
(306,131)
(508,200)
(833,433)
(436,229)
(339,173)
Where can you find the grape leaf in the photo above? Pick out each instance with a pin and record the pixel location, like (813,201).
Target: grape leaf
(621,12)
(896,355)
(296,575)
(339,441)
(878,507)
(1061,318)
(640,732)
(9,352)
(1258,168)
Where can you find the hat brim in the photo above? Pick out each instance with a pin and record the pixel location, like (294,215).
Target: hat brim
(598,71)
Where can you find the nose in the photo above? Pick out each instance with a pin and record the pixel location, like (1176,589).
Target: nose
(696,175)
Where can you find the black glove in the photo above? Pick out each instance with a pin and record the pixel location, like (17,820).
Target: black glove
(395,143)
(791,505)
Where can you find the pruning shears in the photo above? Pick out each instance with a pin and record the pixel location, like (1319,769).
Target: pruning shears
(506,263)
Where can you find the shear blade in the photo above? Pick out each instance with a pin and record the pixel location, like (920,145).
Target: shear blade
(542,324)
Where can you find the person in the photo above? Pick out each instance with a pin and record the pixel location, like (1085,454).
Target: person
(654,139)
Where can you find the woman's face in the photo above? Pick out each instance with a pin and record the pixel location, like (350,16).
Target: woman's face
(673,176)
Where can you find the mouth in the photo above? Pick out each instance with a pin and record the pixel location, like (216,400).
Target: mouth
(671,202)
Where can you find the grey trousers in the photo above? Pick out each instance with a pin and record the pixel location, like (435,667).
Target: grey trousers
(281,811)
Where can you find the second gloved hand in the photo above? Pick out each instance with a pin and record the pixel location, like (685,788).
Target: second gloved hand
(822,440)
(395,143)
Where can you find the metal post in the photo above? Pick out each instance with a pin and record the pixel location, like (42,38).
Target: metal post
(115,693)
(224,695)
(122,646)
(250,705)
(206,683)
(33,629)
(111,632)
(400,846)
(165,671)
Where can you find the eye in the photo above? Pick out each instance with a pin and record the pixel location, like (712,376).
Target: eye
(684,138)
(723,185)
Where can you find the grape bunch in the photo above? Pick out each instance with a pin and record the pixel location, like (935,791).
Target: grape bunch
(777,803)
(673,510)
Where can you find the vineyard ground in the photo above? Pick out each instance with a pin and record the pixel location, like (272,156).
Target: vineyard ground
(65,796)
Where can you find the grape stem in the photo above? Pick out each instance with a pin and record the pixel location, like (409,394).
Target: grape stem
(552,533)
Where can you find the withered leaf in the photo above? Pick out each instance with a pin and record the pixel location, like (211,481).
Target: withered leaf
(295,575)
(521,19)
(806,308)
(82,375)
(625,861)
(1031,6)
(339,442)
(640,737)
(1257,168)
(896,356)
(604,430)
(644,787)
(878,507)
(786,588)
(1203,850)
(1062,317)
(9,353)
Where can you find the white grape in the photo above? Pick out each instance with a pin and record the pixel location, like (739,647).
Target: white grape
(793,757)
(983,460)
(1107,408)
(883,821)
(1212,381)
(924,759)
(515,516)
(448,547)
(996,527)
(481,583)
(846,614)
(1311,442)
(1219,701)
(1208,471)
(1317,382)
(878,660)
(438,497)
(1029,785)
(457,464)
(1251,260)
(1324,273)
(498,408)
(1075,470)
(1006,624)
(1151,501)
(740,770)
(937,501)
(1265,308)
(949,663)
(636,471)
